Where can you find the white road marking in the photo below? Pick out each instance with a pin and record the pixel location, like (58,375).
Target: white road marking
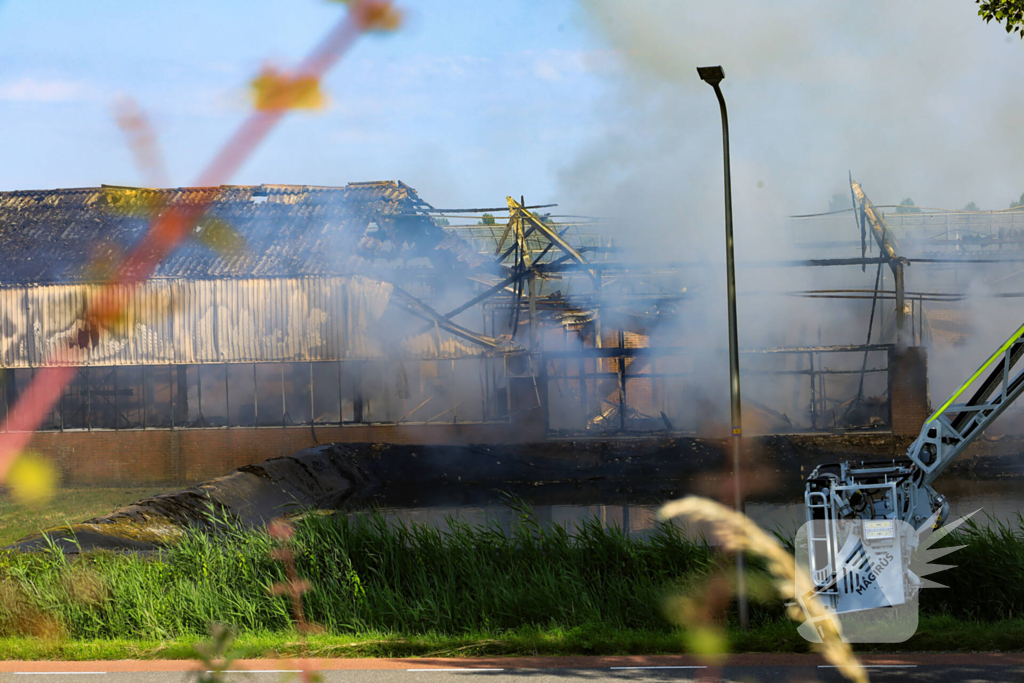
(56,673)
(463,669)
(259,671)
(874,666)
(631,668)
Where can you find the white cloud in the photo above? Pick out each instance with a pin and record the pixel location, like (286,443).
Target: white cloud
(53,90)
(559,65)
(546,71)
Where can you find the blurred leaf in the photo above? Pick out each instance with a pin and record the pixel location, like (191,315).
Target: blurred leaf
(375,15)
(134,202)
(32,478)
(274,90)
(760,588)
(281,529)
(701,612)
(216,655)
(219,236)
(706,642)
(381,16)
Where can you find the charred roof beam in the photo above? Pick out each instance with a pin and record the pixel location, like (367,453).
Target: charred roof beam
(887,245)
(425,312)
(879,228)
(550,234)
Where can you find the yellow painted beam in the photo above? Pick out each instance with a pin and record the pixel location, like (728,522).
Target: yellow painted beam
(886,242)
(553,236)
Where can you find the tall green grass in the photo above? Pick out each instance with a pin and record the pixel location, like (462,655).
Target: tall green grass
(372,575)
(987,581)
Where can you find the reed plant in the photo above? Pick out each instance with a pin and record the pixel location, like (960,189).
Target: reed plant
(371,574)
(986,581)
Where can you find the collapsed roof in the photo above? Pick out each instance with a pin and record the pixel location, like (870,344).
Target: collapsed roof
(59,236)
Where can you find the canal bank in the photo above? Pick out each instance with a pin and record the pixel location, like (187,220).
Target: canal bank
(565,478)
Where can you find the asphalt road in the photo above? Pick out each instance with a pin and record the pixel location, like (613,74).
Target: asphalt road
(744,669)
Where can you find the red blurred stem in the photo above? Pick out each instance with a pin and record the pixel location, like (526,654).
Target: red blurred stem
(167,231)
(38,399)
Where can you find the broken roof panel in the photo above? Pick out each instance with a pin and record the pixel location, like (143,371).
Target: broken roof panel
(57,236)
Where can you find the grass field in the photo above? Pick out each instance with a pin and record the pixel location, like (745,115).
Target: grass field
(66,506)
(387,589)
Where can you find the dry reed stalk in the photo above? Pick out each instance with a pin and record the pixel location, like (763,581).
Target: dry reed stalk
(736,531)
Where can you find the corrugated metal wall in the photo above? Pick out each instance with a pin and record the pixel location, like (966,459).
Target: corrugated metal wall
(205,321)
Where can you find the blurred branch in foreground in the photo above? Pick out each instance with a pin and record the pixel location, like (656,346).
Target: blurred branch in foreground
(283,531)
(175,223)
(142,141)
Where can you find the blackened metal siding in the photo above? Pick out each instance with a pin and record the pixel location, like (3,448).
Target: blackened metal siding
(207,321)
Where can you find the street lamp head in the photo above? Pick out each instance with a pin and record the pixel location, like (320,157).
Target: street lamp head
(712,75)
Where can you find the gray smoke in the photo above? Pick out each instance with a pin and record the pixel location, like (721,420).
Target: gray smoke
(917,99)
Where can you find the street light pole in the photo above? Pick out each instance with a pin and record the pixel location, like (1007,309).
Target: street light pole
(713,75)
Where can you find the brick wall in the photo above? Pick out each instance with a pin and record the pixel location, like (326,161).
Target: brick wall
(908,390)
(158,456)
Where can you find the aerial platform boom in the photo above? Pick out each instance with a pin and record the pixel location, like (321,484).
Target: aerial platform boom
(952,427)
(881,507)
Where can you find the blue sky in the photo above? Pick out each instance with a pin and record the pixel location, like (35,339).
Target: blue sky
(468,102)
(592,103)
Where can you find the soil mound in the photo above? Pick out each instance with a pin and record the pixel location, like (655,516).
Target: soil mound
(322,478)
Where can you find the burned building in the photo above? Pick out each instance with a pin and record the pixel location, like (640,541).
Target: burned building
(312,328)
(298,315)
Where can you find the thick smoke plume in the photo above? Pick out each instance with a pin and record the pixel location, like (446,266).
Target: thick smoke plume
(916,99)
